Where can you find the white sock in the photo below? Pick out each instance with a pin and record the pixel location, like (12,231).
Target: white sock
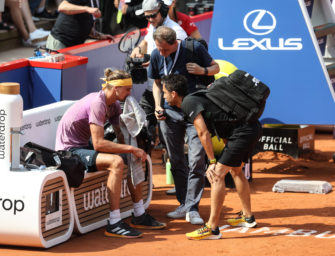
(39,10)
(138,208)
(114,216)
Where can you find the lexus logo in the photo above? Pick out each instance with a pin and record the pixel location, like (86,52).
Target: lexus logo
(259,22)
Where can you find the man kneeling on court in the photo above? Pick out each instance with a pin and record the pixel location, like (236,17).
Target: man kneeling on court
(240,138)
(85,119)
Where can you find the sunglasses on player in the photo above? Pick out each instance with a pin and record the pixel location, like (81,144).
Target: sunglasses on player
(153,16)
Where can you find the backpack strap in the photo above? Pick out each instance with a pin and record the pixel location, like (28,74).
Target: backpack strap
(190,49)
(206,114)
(201,80)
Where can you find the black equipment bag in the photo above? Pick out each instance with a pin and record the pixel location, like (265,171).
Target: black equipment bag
(34,156)
(239,94)
(202,81)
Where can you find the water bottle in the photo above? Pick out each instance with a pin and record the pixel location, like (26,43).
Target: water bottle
(169,177)
(11,109)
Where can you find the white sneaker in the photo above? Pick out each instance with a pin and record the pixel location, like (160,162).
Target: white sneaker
(29,43)
(38,35)
(194,218)
(35,18)
(42,29)
(178,213)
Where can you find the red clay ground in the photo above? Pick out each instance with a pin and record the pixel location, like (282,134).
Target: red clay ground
(288,223)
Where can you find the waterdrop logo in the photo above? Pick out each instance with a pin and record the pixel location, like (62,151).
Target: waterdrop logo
(3,128)
(259,22)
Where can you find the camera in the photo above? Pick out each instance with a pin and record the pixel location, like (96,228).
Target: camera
(137,71)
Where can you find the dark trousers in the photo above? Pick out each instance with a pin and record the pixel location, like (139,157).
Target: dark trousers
(189,180)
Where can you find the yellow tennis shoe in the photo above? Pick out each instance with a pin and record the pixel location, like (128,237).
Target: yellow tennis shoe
(204,233)
(242,221)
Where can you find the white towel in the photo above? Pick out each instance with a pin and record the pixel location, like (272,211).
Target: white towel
(133,120)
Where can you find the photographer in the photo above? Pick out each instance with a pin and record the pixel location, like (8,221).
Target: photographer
(156,12)
(170,58)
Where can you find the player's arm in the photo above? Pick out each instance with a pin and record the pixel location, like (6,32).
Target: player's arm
(205,139)
(204,135)
(118,133)
(102,145)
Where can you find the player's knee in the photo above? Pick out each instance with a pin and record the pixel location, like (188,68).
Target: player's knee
(236,171)
(117,165)
(221,170)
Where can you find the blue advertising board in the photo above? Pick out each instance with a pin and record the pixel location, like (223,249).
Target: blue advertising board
(275,42)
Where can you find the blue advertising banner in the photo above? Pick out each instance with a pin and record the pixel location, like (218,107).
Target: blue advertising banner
(275,42)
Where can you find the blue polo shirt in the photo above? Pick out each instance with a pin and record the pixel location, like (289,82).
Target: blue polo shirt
(200,56)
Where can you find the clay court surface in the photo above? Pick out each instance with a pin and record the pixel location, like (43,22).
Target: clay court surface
(288,223)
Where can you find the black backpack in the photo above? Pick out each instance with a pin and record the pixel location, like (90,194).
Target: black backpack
(240,94)
(35,156)
(202,81)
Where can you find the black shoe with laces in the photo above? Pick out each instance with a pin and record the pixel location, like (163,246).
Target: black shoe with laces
(146,221)
(45,15)
(171,191)
(121,229)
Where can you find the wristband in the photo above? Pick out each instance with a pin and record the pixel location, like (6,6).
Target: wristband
(212,161)
(206,71)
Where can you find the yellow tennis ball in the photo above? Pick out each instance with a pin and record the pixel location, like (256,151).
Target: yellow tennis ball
(218,145)
(226,68)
